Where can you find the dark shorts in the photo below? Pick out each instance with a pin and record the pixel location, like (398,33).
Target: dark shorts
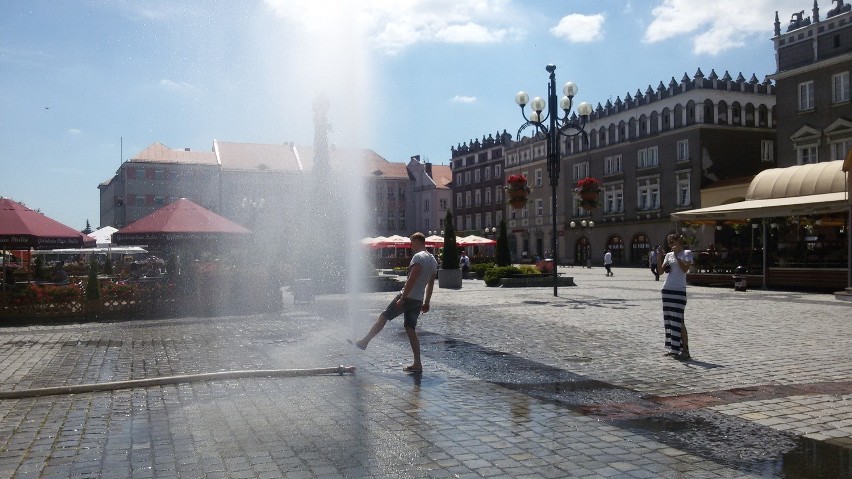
(411,309)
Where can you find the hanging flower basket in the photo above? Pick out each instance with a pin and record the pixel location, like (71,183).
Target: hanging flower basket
(517,190)
(588,190)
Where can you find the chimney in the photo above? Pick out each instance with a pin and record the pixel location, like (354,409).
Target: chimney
(186,149)
(428,169)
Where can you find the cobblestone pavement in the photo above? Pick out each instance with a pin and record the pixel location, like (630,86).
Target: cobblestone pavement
(517,383)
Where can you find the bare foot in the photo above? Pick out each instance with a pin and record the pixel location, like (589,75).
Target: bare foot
(361,344)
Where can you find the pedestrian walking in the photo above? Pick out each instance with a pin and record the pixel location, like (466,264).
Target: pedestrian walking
(675,264)
(652,262)
(608,262)
(411,301)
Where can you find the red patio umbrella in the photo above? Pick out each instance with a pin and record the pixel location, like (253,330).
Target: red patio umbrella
(181,221)
(22,228)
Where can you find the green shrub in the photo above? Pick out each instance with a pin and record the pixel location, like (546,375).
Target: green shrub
(528,269)
(479,269)
(493,275)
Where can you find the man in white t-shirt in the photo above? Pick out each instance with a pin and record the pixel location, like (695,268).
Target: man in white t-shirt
(413,299)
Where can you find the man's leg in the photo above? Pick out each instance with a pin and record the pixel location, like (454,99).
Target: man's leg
(374,330)
(415,348)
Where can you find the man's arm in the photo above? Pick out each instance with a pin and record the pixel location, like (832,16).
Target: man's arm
(428,296)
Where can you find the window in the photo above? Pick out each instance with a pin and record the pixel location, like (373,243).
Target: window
(683,150)
(425,205)
(459,179)
(581,170)
(613,198)
(612,165)
(477,225)
(538,177)
(159,201)
(443,204)
(498,194)
(683,188)
(648,194)
(487,196)
(476,175)
(426,224)
(160,174)
(806,154)
(497,171)
(767,151)
(459,203)
(539,207)
(467,199)
(468,221)
(647,157)
(840,149)
(487,173)
(467,177)
(140,173)
(806,96)
(840,87)
(477,197)
(525,212)
(498,218)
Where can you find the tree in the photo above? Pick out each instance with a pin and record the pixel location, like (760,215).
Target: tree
(87,229)
(450,259)
(93,289)
(503,256)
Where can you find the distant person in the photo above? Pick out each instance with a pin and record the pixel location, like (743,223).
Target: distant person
(60,275)
(652,262)
(413,299)
(608,262)
(464,262)
(675,263)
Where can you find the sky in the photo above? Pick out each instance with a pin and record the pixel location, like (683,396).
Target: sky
(85,85)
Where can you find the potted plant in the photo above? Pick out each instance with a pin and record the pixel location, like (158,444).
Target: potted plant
(517,191)
(588,191)
(450,274)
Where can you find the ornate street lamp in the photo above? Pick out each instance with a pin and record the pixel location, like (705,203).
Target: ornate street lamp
(552,126)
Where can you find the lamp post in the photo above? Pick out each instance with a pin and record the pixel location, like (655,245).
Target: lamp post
(583,225)
(553,127)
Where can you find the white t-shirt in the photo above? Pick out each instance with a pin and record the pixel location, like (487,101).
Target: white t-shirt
(676,279)
(428,268)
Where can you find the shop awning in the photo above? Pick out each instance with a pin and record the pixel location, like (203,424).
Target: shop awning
(794,191)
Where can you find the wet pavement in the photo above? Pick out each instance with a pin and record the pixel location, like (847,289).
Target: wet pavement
(517,383)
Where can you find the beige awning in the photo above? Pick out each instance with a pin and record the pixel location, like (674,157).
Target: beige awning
(794,191)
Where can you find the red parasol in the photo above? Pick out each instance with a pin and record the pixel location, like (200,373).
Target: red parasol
(23,228)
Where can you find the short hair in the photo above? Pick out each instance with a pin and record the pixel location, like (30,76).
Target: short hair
(418,237)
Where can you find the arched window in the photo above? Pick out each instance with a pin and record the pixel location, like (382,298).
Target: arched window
(749,115)
(690,112)
(710,112)
(723,113)
(655,123)
(640,246)
(616,246)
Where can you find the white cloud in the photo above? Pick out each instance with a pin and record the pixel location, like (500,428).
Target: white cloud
(180,87)
(720,25)
(391,26)
(74,131)
(576,28)
(463,99)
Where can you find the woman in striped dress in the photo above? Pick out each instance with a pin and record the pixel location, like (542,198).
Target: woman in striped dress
(675,263)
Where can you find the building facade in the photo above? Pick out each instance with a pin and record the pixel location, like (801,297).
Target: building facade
(432,195)
(814,58)
(652,153)
(478,199)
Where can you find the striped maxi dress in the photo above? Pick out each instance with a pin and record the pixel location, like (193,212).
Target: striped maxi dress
(674,302)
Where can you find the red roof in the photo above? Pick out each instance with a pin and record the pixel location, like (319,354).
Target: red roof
(21,227)
(181,220)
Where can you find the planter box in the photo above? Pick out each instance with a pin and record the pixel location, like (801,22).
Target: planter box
(450,278)
(527,281)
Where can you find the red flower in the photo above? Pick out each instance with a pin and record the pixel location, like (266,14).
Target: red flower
(517,180)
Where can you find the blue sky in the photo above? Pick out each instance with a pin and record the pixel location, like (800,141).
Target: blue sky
(79,79)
